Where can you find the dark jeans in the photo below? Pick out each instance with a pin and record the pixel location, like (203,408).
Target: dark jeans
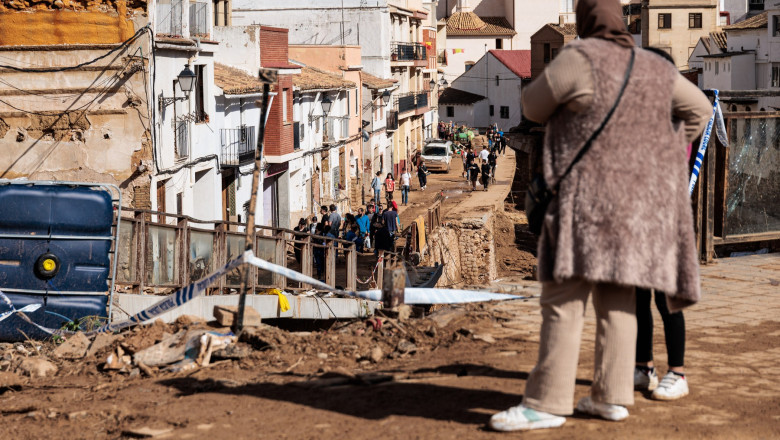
(404,194)
(423,178)
(674,329)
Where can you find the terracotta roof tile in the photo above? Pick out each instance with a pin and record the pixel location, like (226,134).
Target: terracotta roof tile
(721,40)
(518,61)
(375,82)
(468,23)
(312,78)
(566,29)
(456,96)
(235,81)
(755,22)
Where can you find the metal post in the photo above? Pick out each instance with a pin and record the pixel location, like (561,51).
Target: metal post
(267,77)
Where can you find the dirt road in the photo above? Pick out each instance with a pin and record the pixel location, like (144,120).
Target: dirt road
(322,385)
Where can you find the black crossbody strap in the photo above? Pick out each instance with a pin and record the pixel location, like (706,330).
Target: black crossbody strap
(596,133)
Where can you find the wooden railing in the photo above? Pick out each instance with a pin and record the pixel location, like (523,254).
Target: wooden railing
(161,252)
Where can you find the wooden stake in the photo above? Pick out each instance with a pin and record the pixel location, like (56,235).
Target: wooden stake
(250,217)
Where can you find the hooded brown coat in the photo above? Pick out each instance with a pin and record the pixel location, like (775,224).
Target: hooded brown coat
(623,214)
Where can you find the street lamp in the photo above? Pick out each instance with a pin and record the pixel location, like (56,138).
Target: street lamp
(326,105)
(443,82)
(186,80)
(432,84)
(386,97)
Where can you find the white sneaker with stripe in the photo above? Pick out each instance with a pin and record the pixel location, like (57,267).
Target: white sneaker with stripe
(522,418)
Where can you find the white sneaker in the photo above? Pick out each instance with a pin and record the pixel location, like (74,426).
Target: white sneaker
(645,381)
(672,387)
(604,410)
(522,418)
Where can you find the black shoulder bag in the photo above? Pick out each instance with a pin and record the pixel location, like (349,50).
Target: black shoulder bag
(539,195)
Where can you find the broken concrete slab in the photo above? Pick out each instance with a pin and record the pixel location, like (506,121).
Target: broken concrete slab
(101,341)
(75,347)
(226,316)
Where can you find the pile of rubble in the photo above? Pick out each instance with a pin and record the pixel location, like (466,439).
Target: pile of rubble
(191,343)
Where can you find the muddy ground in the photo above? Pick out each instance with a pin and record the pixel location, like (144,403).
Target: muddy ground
(436,377)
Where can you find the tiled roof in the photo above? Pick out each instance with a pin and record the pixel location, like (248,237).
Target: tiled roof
(468,23)
(375,82)
(234,81)
(456,96)
(566,29)
(312,78)
(518,61)
(755,22)
(720,39)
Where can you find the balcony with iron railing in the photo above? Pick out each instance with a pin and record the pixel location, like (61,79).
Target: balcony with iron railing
(422,100)
(238,146)
(405,103)
(407,52)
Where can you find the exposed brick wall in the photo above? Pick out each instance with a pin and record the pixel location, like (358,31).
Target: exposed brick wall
(279,135)
(273,45)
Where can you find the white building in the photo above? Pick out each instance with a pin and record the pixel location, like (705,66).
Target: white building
(391,36)
(476,26)
(496,79)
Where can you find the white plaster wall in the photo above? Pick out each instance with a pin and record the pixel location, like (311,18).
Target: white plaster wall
(321,23)
(239,46)
(464,114)
(506,93)
(743,72)
(474,49)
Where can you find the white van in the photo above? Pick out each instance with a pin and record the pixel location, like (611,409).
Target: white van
(437,155)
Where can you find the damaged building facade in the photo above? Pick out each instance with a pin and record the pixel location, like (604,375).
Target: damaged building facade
(74,102)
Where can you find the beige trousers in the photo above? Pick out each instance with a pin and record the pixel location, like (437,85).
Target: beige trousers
(550,387)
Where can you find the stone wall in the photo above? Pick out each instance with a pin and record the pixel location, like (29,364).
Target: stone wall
(467,248)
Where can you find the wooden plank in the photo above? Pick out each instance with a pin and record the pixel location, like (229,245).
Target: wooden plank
(280,281)
(141,234)
(307,261)
(330,264)
(747,238)
(352,268)
(709,227)
(380,270)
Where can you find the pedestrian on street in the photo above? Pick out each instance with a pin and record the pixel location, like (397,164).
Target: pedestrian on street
(674,384)
(474,170)
(493,162)
(608,228)
(376,185)
(422,175)
(390,217)
(485,174)
(376,223)
(406,183)
(334,219)
(483,155)
(301,230)
(389,187)
(469,161)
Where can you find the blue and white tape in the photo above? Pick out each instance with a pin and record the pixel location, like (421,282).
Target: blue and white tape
(717,120)
(188,293)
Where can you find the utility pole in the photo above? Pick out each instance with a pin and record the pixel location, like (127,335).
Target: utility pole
(267,77)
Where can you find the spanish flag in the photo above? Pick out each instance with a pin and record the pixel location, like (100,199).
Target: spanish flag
(458,50)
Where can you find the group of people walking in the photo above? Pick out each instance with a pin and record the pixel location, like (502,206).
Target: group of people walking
(371,227)
(613,231)
(482,165)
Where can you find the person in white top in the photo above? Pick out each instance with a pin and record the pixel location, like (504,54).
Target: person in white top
(406,182)
(483,155)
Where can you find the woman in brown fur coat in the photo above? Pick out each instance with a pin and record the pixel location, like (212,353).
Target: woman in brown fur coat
(621,219)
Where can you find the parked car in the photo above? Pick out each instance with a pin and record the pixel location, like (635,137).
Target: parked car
(437,155)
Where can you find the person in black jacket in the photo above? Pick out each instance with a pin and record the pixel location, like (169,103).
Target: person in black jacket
(485,174)
(422,175)
(473,170)
(493,162)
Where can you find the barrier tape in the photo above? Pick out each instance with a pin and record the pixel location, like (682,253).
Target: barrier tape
(413,295)
(717,120)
